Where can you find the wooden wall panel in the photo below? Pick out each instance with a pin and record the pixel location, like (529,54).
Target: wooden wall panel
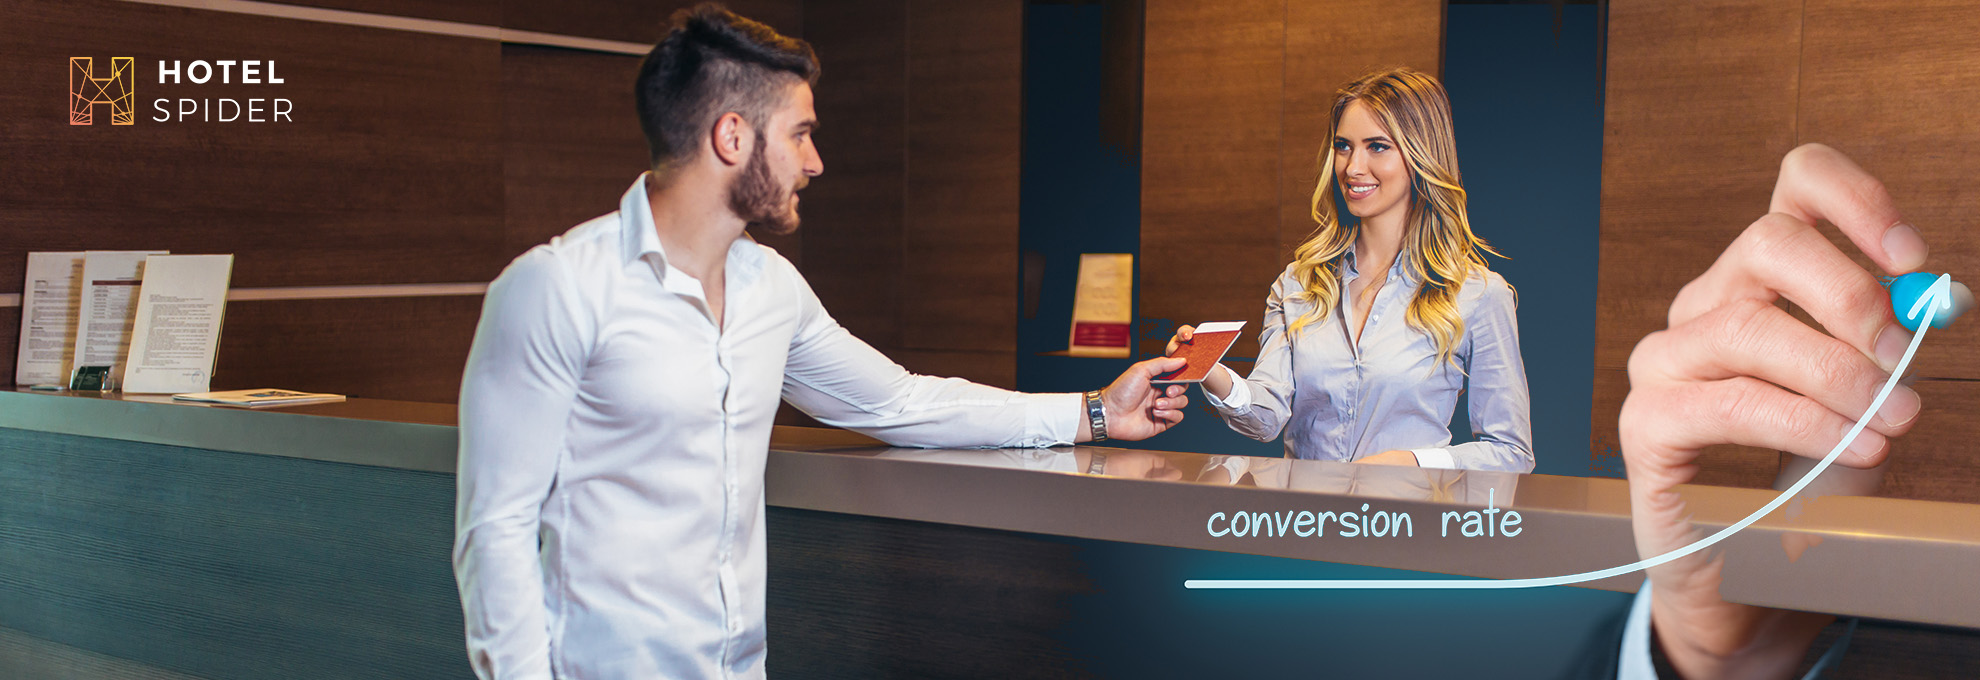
(409,349)
(390,172)
(571,141)
(479,12)
(1212,97)
(639,21)
(1328,44)
(10,344)
(1700,109)
(1895,87)
(1236,103)
(959,269)
(1935,461)
(910,236)
(852,214)
(1889,85)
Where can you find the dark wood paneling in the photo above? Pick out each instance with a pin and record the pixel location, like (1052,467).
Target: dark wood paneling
(958,270)
(479,12)
(1328,44)
(1235,107)
(410,349)
(571,141)
(1700,109)
(1212,99)
(389,172)
(1888,650)
(1750,80)
(1121,48)
(1935,461)
(865,597)
(636,20)
(1604,443)
(10,343)
(1894,86)
(853,228)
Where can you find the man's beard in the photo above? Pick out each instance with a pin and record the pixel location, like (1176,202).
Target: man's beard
(758,199)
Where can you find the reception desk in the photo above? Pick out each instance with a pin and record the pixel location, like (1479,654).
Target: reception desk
(143,538)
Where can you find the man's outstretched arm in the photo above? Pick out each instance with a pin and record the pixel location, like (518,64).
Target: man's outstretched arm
(844,382)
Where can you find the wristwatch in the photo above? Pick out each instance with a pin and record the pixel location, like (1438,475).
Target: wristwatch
(1097,415)
(1097,465)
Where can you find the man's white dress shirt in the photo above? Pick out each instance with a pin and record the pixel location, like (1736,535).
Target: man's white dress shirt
(612,444)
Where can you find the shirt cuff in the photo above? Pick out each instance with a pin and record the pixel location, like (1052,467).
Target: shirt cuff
(1434,458)
(1240,396)
(1234,466)
(1054,419)
(1634,662)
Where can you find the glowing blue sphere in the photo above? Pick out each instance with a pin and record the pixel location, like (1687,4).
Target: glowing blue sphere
(1905,291)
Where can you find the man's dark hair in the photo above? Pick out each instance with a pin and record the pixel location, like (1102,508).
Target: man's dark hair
(713,62)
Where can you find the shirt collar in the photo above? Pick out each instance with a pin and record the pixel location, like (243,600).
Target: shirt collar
(641,238)
(1398,271)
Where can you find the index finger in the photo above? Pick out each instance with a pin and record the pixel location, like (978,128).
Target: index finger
(1820,183)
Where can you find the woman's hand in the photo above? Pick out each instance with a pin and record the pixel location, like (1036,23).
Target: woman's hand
(1218,383)
(1403,458)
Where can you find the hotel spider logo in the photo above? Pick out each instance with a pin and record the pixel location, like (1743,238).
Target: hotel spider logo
(86,91)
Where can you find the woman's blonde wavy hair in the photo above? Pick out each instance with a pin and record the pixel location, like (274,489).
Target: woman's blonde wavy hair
(1438,247)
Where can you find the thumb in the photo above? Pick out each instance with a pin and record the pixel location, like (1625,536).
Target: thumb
(1160,365)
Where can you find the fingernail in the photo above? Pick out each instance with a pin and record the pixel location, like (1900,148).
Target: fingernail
(1866,444)
(1905,247)
(1900,408)
(1890,345)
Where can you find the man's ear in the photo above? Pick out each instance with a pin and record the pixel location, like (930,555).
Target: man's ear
(732,138)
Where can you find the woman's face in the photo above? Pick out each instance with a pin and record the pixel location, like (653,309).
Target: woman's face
(1368,165)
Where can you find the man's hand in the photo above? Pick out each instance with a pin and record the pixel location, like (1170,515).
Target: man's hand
(1734,368)
(1217,382)
(1135,465)
(1137,410)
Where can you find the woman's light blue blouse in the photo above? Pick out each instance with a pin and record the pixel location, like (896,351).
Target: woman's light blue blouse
(1337,402)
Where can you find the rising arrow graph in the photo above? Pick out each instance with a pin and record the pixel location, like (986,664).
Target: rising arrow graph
(1938,298)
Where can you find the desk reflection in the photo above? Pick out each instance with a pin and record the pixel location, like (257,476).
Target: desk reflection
(1470,487)
(1465,487)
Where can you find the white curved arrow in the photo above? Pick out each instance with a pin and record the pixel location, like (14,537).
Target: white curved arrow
(1941,292)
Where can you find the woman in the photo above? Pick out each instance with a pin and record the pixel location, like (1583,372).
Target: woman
(1375,328)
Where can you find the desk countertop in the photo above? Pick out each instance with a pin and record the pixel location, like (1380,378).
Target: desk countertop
(1903,559)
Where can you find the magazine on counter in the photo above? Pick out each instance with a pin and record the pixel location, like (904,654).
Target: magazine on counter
(257,398)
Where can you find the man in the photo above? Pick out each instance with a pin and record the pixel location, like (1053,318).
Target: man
(617,404)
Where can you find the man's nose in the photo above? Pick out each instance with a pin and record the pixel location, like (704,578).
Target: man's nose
(814,165)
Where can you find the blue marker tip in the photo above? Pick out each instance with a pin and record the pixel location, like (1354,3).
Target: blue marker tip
(1905,291)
